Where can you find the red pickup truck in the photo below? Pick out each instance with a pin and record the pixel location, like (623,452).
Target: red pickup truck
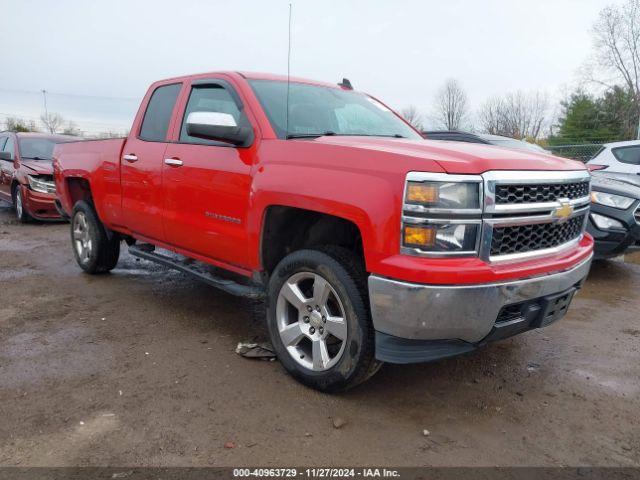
(367,243)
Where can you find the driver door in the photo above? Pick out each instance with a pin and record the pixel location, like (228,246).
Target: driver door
(206,183)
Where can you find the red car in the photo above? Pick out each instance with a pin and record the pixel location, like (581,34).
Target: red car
(26,174)
(368,243)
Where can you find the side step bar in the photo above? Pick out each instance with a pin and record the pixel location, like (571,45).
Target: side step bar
(192,268)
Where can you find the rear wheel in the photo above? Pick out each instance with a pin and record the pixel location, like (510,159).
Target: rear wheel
(319,321)
(95,249)
(18,202)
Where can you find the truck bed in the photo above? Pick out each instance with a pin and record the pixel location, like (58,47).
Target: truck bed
(94,161)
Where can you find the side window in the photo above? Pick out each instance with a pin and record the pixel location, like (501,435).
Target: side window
(210,98)
(2,142)
(158,115)
(10,147)
(627,154)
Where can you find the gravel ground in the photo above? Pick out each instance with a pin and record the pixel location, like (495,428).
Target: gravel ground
(138,368)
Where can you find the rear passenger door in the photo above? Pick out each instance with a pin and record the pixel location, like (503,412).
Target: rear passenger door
(141,165)
(206,183)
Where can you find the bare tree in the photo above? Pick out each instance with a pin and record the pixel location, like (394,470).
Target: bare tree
(52,122)
(516,115)
(617,48)
(411,115)
(15,124)
(490,116)
(451,105)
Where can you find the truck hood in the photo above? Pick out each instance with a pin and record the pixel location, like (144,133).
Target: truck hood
(39,167)
(458,157)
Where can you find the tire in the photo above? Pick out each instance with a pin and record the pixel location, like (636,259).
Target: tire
(18,204)
(298,334)
(95,250)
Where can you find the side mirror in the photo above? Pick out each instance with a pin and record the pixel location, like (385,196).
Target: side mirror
(218,126)
(6,156)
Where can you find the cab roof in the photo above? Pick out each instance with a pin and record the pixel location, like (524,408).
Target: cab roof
(253,76)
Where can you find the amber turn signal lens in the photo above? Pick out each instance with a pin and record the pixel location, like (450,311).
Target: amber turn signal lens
(419,236)
(422,193)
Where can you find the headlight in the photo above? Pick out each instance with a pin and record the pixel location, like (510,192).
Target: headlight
(433,196)
(605,223)
(611,200)
(42,185)
(441,214)
(443,237)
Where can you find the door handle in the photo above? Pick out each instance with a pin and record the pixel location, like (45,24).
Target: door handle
(130,157)
(174,162)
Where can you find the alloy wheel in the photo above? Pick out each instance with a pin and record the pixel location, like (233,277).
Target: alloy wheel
(81,237)
(311,321)
(19,207)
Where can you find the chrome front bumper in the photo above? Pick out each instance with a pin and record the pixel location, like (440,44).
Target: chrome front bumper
(467,312)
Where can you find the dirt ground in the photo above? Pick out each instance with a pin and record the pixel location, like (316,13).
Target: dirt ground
(138,368)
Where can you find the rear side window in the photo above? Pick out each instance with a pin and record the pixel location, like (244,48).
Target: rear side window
(210,98)
(158,115)
(2,142)
(627,154)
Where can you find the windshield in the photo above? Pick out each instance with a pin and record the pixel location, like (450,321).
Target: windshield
(37,148)
(517,144)
(316,110)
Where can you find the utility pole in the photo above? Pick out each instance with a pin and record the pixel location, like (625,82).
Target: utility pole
(46,111)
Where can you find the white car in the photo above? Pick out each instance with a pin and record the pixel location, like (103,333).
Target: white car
(621,157)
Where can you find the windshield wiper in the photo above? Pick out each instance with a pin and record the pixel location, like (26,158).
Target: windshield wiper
(332,134)
(35,158)
(311,135)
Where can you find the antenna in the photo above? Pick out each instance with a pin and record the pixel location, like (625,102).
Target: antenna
(346,84)
(286,128)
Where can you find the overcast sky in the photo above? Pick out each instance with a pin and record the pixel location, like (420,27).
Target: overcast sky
(400,51)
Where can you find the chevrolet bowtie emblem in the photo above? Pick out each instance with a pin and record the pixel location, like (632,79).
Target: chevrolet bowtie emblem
(562,213)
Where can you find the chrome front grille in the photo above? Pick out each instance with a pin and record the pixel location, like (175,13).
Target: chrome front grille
(530,214)
(636,214)
(528,238)
(544,192)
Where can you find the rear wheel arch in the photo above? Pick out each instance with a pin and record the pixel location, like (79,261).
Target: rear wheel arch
(79,189)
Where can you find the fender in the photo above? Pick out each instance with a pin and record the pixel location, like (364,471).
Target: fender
(364,188)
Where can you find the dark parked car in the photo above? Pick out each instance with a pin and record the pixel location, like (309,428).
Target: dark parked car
(497,140)
(26,174)
(614,220)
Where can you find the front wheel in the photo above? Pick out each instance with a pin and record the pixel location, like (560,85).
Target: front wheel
(319,321)
(18,202)
(96,251)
